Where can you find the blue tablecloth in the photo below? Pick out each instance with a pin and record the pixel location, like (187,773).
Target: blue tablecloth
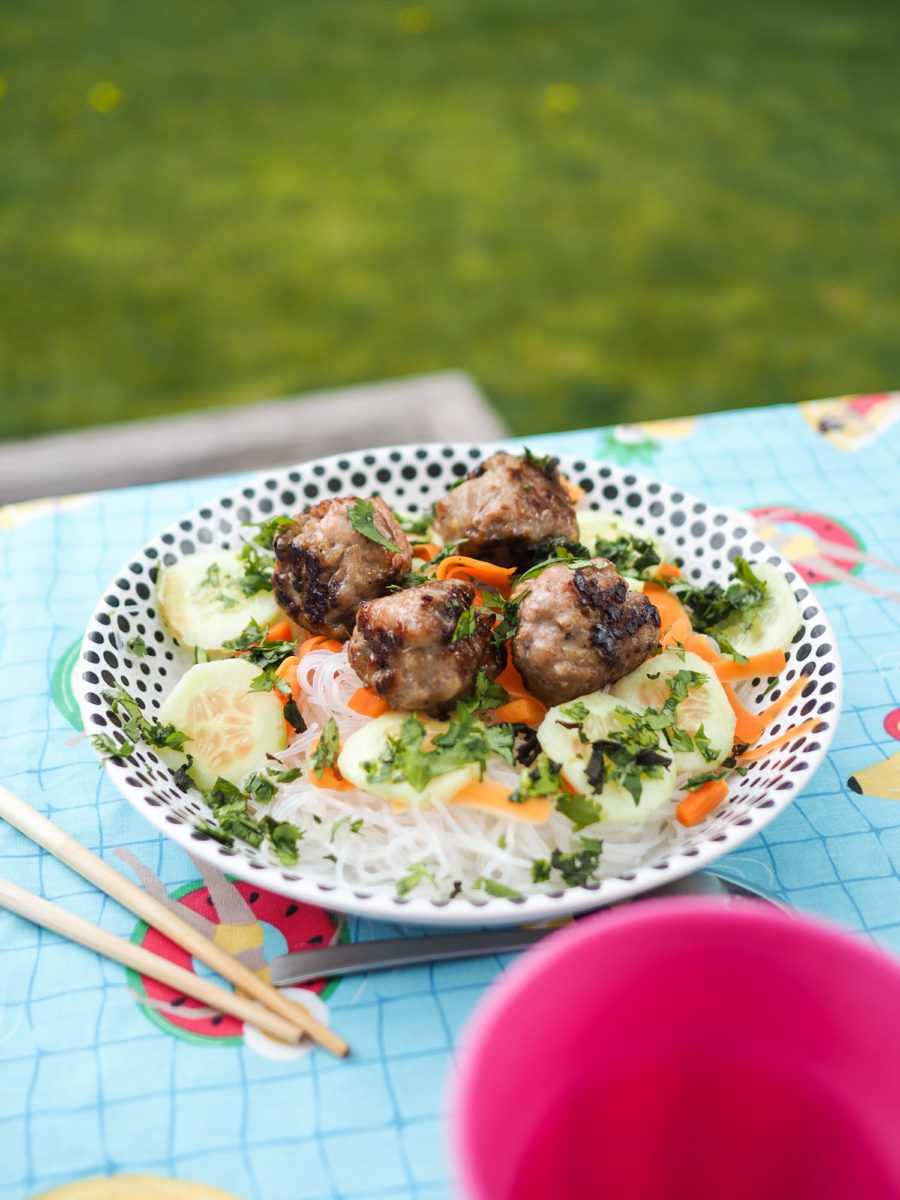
(98,1079)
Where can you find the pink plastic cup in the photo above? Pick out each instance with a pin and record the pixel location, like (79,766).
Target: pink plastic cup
(682,1049)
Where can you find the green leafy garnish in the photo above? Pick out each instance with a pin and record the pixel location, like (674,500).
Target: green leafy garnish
(417,873)
(559,555)
(362,518)
(540,870)
(630,555)
(213,576)
(268,530)
(465,625)
(260,787)
(268,681)
(327,748)
(703,744)
(135,725)
(577,868)
(416,526)
(293,716)
(251,644)
(540,779)
(258,566)
(627,756)
(283,838)
(713,606)
(581,810)
(136,646)
(107,747)
(494,888)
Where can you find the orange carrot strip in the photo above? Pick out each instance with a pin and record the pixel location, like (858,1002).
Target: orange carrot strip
(789,734)
(670,608)
(697,805)
(511,681)
(676,634)
(458,566)
(704,647)
(287,670)
(317,643)
(486,794)
(426,551)
(771,662)
(667,571)
(331,778)
(749,725)
(367,702)
(526,709)
(575,492)
(778,706)
(281,631)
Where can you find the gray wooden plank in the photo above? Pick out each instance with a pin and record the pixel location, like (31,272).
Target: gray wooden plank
(447,406)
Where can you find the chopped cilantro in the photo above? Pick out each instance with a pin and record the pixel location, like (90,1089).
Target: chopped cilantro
(327,748)
(293,716)
(629,554)
(136,646)
(107,747)
(494,888)
(581,810)
(713,606)
(268,681)
(540,870)
(501,841)
(260,787)
(362,518)
(286,775)
(702,742)
(213,576)
(182,776)
(595,845)
(417,873)
(547,464)
(465,625)
(541,779)
(560,555)
(257,576)
(160,735)
(416,526)
(253,645)
(577,868)
(507,611)
(627,756)
(269,529)
(283,837)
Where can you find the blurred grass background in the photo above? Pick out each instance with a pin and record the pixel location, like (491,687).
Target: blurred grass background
(604,211)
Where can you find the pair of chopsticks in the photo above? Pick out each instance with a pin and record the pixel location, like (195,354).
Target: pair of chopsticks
(280,1017)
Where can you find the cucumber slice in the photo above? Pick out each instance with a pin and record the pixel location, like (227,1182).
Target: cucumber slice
(592,524)
(705,705)
(366,745)
(563,745)
(776,623)
(203,608)
(231,729)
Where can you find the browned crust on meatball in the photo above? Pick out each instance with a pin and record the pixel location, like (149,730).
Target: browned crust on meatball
(325,568)
(505,509)
(403,647)
(580,630)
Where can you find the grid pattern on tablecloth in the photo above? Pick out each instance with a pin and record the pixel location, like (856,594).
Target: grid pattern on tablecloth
(92,1087)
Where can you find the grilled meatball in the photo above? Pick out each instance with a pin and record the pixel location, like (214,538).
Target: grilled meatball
(506,508)
(580,630)
(403,646)
(325,568)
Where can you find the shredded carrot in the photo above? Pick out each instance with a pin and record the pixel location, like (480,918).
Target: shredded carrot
(281,631)
(667,571)
(672,612)
(367,702)
(426,551)
(758,752)
(575,492)
(697,805)
(317,643)
(287,670)
(526,709)
(511,681)
(749,725)
(704,647)
(484,793)
(676,634)
(458,566)
(771,662)
(778,706)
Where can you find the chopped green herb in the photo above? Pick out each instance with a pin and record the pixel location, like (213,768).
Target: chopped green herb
(268,681)
(576,869)
(285,775)
(417,873)
(540,870)
(160,735)
(107,747)
(726,647)
(136,646)
(595,845)
(541,779)
(629,554)
(702,742)
(713,606)
(416,526)
(260,787)
(258,566)
(293,716)
(253,645)
(493,888)
(213,576)
(269,529)
(465,625)
(362,518)
(283,838)
(501,841)
(581,810)
(627,756)
(327,749)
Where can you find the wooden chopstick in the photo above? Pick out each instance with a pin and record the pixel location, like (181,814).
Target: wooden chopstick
(89,865)
(76,929)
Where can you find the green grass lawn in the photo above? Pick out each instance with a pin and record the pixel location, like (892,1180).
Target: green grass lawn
(604,211)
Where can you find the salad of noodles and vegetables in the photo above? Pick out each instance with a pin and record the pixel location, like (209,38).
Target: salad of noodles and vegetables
(510,693)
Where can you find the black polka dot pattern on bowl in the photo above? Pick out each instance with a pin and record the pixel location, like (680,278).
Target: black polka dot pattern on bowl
(703,540)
